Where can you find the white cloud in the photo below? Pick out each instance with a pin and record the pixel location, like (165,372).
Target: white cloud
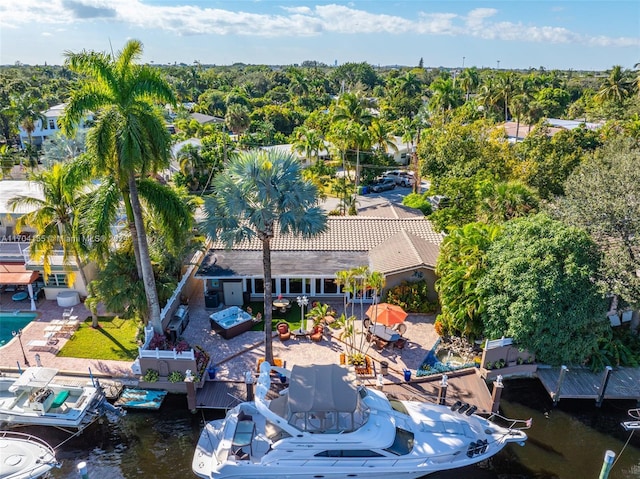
(293,21)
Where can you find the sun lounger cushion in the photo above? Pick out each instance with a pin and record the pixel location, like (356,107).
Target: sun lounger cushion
(60,398)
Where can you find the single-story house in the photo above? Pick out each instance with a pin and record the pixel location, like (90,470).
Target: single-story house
(402,247)
(517,132)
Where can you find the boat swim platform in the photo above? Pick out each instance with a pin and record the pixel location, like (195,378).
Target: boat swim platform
(582,383)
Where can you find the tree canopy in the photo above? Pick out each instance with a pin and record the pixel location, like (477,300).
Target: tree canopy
(539,289)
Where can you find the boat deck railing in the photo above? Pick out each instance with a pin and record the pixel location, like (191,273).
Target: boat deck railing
(509,423)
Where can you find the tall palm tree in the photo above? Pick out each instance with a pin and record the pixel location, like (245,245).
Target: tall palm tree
(57,220)
(616,87)
(353,109)
(445,95)
(308,141)
(506,87)
(129,139)
(381,136)
(258,193)
(469,81)
(27,109)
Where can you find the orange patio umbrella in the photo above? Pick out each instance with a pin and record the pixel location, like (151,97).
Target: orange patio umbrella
(387,314)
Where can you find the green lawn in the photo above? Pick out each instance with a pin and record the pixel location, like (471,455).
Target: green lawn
(115,339)
(292,316)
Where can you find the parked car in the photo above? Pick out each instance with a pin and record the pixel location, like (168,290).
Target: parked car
(400,177)
(383,185)
(439,201)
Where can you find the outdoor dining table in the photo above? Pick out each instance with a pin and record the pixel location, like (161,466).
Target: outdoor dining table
(383,332)
(281,303)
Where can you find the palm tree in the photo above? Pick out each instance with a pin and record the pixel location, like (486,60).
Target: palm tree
(445,95)
(381,136)
(28,111)
(506,87)
(500,202)
(460,265)
(616,87)
(308,142)
(469,81)
(258,193)
(57,220)
(129,139)
(237,118)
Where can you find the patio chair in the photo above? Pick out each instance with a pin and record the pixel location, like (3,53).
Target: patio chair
(401,328)
(283,331)
(316,334)
(66,314)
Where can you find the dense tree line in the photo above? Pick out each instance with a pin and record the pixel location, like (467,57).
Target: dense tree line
(501,193)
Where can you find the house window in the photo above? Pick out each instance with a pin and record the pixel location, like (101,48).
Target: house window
(330,286)
(295,285)
(57,280)
(52,124)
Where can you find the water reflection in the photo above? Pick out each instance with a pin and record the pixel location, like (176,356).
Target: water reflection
(566,442)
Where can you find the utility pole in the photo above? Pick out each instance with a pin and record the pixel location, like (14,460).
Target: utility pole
(498,64)
(462,62)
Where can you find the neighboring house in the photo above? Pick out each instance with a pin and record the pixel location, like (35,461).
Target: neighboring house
(517,133)
(402,247)
(14,248)
(44,129)
(206,119)
(287,149)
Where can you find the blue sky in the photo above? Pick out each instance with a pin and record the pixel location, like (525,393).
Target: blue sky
(582,35)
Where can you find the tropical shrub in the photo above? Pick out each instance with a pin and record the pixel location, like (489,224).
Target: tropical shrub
(176,377)
(151,376)
(419,202)
(412,296)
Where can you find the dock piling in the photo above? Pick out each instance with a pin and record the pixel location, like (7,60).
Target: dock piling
(607,464)
(556,393)
(442,392)
(496,394)
(82,470)
(603,385)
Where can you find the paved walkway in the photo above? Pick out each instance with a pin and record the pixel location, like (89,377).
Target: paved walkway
(232,357)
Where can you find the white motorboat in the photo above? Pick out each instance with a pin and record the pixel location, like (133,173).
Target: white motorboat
(34,399)
(326,426)
(24,456)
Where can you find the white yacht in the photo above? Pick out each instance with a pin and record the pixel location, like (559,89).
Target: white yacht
(325,426)
(34,399)
(24,456)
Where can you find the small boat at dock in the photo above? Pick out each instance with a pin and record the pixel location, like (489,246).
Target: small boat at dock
(34,398)
(24,456)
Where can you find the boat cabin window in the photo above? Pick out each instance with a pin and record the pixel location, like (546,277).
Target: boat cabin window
(398,406)
(402,444)
(349,453)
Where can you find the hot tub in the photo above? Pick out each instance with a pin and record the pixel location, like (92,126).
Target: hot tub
(230,322)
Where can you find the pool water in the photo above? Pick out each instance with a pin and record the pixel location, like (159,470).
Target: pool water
(10,322)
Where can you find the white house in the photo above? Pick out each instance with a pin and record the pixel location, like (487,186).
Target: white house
(45,129)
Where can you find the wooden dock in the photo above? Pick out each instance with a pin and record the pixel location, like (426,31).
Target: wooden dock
(465,385)
(582,383)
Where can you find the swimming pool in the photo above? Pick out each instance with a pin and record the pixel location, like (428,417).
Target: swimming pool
(12,322)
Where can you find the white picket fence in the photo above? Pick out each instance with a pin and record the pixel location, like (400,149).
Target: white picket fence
(143,352)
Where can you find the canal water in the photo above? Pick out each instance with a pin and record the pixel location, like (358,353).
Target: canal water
(566,442)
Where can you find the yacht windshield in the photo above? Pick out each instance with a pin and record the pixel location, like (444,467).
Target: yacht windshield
(402,444)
